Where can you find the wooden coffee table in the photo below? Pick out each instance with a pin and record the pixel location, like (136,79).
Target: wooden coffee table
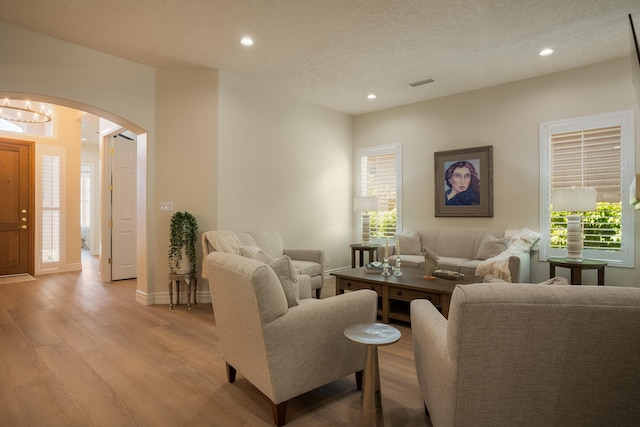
(396,292)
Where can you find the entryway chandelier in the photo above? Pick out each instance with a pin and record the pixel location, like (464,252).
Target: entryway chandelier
(24,111)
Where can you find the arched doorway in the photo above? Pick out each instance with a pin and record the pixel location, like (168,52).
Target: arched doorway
(141,171)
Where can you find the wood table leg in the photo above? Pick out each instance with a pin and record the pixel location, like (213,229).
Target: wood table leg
(576,276)
(170,294)
(601,276)
(371,411)
(444,303)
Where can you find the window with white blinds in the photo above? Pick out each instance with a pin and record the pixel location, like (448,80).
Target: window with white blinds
(50,226)
(597,152)
(85,195)
(379,174)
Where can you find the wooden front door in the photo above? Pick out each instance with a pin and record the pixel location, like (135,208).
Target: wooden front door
(17,204)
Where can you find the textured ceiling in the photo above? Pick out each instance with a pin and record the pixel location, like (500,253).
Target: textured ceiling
(335,52)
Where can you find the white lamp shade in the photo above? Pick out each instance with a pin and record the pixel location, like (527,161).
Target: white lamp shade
(365,204)
(574,199)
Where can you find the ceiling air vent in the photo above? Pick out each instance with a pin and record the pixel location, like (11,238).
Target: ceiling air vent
(423,82)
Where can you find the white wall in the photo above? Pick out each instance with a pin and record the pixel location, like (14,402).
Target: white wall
(286,165)
(507,117)
(185,160)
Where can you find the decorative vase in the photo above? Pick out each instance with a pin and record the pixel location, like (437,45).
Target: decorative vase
(184,266)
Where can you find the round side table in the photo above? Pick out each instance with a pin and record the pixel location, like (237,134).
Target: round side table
(190,279)
(372,335)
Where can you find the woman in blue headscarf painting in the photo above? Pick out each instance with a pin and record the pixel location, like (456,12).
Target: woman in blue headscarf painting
(464,185)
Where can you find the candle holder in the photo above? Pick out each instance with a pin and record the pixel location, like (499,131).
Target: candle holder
(396,269)
(385,267)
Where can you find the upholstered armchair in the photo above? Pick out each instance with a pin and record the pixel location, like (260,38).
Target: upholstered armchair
(279,343)
(525,354)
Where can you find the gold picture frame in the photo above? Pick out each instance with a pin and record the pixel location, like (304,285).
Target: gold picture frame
(464,182)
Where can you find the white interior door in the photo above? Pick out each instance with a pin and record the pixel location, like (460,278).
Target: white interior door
(123,208)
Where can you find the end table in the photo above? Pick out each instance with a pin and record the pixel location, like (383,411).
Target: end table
(190,279)
(362,247)
(576,269)
(372,335)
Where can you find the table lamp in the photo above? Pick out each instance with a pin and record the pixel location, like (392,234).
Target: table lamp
(365,204)
(574,200)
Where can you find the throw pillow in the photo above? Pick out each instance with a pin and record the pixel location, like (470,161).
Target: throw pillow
(492,246)
(409,245)
(254,252)
(286,272)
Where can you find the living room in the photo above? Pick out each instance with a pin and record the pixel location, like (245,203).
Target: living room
(240,155)
(299,178)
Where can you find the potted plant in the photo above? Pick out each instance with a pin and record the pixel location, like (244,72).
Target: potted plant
(182,243)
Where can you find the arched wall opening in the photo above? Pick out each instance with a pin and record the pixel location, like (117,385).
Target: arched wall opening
(141,176)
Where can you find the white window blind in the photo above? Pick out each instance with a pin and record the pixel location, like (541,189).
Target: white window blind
(380,175)
(591,158)
(597,152)
(50,209)
(85,196)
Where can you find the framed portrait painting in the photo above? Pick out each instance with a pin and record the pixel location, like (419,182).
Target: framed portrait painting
(464,182)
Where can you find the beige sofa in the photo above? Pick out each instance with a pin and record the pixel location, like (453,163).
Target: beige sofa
(308,262)
(284,348)
(532,355)
(495,252)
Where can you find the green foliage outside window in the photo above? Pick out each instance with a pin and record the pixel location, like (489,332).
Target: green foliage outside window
(602,227)
(383,224)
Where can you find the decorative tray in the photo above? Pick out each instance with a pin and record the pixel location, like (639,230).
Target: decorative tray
(448,274)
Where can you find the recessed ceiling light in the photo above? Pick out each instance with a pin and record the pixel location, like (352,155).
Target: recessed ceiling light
(546,52)
(371,96)
(246,41)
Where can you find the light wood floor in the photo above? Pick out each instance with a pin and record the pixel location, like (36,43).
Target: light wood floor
(76,352)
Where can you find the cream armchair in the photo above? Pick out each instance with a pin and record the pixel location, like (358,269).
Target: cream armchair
(535,355)
(283,351)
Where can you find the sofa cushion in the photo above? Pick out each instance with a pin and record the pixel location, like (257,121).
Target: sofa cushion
(491,246)
(468,268)
(458,244)
(254,252)
(452,263)
(288,276)
(408,245)
(246,239)
(269,241)
(309,268)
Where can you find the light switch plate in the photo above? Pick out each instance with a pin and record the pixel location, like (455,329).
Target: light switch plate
(166,206)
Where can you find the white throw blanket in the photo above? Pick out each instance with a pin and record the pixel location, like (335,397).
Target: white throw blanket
(520,241)
(218,241)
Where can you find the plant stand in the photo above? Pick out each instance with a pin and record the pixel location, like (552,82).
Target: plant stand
(191,279)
